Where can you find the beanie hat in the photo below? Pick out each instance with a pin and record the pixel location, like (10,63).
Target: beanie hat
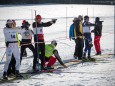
(24,21)
(38,17)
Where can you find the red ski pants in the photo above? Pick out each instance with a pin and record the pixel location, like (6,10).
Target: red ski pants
(97,43)
(51,61)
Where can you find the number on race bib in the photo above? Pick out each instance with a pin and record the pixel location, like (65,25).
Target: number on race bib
(13,36)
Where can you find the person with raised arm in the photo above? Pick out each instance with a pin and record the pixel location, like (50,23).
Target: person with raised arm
(39,38)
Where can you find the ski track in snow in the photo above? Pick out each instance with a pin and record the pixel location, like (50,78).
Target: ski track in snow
(88,74)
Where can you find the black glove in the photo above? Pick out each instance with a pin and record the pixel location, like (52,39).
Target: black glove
(54,20)
(91,45)
(7,43)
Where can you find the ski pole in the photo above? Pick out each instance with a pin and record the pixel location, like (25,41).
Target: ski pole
(39,69)
(2,58)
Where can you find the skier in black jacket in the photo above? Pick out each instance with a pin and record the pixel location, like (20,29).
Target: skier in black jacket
(97,35)
(39,37)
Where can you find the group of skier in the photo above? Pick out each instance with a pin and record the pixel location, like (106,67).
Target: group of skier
(80,32)
(46,53)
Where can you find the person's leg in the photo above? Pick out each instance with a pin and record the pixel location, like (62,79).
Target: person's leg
(99,49)
(31,47)
(42,46)
(86,47)
(11,68)
(76,49)
(89,47)
(22,52)
(51,61)
(9,71)
(13,64)
(80,48)
(96,43)
(16,54)
(37,50)
(8,60)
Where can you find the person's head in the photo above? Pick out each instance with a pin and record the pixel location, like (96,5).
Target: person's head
(54,42)
(9,23)
(38,18)
(86,18)
(80,18)
(74,19)
(25,24)
(97,19)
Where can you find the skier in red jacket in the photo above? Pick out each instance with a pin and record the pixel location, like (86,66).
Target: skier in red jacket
(39,37)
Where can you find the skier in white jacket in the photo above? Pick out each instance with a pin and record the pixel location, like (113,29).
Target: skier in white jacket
(11,39)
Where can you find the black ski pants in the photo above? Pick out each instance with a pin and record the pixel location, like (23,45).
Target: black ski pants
(25,45)
(40,49)
(79,47)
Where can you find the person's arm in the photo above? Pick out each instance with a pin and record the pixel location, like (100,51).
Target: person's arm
(90,24)
(55,52)
(46,24)
(70,31)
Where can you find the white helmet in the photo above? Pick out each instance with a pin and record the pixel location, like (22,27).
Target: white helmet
(54,42)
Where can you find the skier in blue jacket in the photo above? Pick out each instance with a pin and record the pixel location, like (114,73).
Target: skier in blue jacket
(76,34)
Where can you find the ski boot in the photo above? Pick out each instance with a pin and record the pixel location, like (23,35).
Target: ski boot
(85,60)
(75,56)
(84,55)
(18,74)
(91,59)
(43,68)
(11,75)
(5,76)
(50,67)
(98,53)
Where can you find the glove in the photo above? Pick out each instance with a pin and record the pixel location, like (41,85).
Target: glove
(54,20)
(91,45)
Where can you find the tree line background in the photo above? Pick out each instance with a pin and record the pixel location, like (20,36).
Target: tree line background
(57,1)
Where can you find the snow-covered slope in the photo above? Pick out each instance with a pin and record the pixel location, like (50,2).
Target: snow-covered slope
(88,74)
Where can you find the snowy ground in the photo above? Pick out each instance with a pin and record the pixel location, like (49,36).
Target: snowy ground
(88,74)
